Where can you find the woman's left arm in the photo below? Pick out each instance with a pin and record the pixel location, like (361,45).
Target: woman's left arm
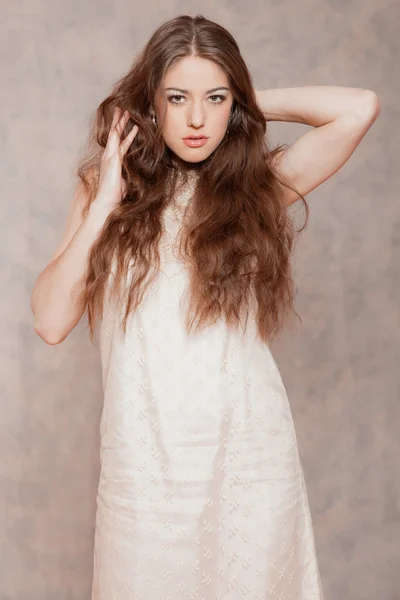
(340,117)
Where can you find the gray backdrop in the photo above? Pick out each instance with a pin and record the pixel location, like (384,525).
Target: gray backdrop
(341,370)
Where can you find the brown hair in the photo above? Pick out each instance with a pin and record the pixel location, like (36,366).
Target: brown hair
(239,237)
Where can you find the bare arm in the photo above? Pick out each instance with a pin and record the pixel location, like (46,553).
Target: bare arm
(54,300)
(340,118)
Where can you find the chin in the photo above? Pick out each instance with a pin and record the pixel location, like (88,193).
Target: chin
(195,160)
(193,155)
(190,155)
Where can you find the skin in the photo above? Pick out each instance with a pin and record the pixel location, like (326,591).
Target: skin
(197,111)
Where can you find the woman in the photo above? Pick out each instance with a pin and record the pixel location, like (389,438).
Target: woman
(181,249)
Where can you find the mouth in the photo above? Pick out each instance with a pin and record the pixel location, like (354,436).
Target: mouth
(195,141)
(195,137)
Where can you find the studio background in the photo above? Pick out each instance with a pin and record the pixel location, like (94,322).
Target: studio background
(341,368)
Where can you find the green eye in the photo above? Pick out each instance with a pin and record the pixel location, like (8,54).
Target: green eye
(220,96)
(175,98)
(172,98)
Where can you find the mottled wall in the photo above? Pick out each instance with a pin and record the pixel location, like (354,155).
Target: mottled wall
(59,60)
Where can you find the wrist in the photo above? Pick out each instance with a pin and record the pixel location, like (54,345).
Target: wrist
(99,210)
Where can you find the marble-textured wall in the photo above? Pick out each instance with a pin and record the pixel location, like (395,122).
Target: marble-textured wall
(59,60)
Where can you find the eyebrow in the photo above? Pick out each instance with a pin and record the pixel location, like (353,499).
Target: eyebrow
(187,91)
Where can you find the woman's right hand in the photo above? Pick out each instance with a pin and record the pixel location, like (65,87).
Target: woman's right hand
(111,183)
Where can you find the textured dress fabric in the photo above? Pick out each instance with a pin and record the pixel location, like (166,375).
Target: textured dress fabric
(201,492)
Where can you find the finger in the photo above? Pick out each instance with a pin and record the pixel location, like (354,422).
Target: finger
(115,116)
(128,140)
(121,127)
(113,135)
(112,143)
(122,122)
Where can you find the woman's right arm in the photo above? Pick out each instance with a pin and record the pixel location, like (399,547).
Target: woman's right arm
(56,292)
(55,295)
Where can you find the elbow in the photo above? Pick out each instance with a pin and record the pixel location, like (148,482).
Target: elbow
(370,107)
(51,338)
(54,334)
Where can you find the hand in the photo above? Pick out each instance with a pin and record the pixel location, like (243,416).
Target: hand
(111,183)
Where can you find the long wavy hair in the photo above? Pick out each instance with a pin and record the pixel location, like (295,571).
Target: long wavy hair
(239,237)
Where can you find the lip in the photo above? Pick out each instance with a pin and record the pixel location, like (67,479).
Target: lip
(195,141)
(195,137)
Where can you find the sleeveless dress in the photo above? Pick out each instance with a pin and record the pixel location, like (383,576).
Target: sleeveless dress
(201,492)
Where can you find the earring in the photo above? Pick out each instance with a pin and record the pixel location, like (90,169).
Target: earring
(154,119)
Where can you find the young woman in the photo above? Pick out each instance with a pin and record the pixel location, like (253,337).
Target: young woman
(181,250)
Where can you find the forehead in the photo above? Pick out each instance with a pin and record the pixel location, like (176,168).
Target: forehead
(195,74)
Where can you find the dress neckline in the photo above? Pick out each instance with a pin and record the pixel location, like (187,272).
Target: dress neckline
(184,190)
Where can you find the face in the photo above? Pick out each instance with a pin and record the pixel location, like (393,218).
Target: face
(198,103)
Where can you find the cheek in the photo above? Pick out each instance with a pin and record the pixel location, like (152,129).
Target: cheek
(225,114)
(172,124)
(221,120)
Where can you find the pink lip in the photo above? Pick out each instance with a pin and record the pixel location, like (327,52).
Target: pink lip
(195,142)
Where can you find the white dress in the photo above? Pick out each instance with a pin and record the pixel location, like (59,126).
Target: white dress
(201,493)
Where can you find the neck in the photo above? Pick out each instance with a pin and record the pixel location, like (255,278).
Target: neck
(185,166)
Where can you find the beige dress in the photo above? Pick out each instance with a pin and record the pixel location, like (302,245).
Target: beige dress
(201,493)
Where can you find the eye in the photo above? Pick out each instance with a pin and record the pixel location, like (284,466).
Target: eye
(175,98)
(220,97)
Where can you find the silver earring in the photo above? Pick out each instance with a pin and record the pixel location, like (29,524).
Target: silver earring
(154,119)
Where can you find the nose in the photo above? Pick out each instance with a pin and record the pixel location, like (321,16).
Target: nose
(195,116)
